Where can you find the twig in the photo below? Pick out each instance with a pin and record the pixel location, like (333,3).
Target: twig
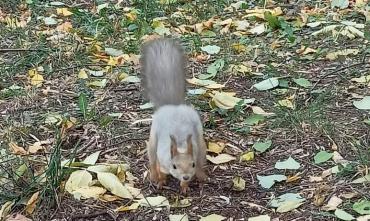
(90,215)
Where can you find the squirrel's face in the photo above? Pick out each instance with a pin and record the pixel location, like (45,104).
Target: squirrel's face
(182,164)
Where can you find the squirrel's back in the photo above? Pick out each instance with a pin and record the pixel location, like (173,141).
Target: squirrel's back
(163,72)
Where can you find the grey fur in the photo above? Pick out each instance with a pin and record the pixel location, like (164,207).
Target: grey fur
(163,72)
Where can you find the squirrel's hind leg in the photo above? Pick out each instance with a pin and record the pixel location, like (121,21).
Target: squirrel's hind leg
(201,160)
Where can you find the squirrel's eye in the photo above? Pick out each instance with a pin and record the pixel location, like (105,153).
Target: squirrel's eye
(193,165)
(174,166)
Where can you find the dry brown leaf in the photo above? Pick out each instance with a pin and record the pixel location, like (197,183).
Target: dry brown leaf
(31,204)
(17,150)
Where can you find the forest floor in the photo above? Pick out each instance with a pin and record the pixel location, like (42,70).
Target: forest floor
(70,90)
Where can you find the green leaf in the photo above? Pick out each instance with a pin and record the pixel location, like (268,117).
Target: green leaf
(272,20)
(362,207)
(364,179)
(267,84)
(146,106)
(343,215)
(82,104)
(113,52)
(197,91)
(303,82)
(322,157)
(367,121)
(213,69)
(262,146)
(287,202)
(363,104)
(289,164)
(268,181)
(50,21)
(342,4)
(211,49)
(254,119)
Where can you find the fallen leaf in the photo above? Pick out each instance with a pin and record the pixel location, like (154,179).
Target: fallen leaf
(306,50)
(289,164)
(64,11)
(364,179)
(157,201)
(78,179)
(98,83)
(146,106)
(287,202)
(197,91)
(345,52)
(363,104)
(108,168)
(113,52)
(220,159)
(64,27)
(362,79)
(87,192)
(215,147)
(293,178)
(114,185)
(286,103)
(333,203)
(260,218)
(362,207)
(35,77)
(133,206)
(181,203)
(211,49)
(343,215)
(254,119)
(322,157)
(267,84)
(303,82)
(206,83)
(91,159)
(342,4)
(50,21)
(5,209)
(17,150)
(249,156)
(262,146)
(179,217)
(31,203)
(268,181)
(363,218)
(315,179)
(212,217)
(226,100)
(238,183)
(258,29)
(260,111)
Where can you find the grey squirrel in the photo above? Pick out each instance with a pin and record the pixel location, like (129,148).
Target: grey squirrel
(176,144)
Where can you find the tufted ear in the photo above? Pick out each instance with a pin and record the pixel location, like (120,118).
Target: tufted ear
(190,144)
(173,146)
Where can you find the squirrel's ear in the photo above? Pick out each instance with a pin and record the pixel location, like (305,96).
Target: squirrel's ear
(190,145)
(173,146)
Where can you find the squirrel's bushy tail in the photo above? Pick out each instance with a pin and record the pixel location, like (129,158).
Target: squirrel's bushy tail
(163,72)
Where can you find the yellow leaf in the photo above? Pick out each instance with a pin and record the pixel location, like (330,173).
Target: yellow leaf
(181,203)
(17,150)
(362,79)
(238,183)
(133,206)
(132,16)
(78,179)
(225,100)
(220,159)
(87,192)
(35,147)
(345,52)
(260,111)
(293,178)
(215,147)
(239,47)
(35,77)
(113,61)
(109,198)
(122,76)
(212,217)
(305,50)
(64,12)
(249,156)
(114,185)
(156,201)
(31,204)
(286,103)
(82,74)
(260,13)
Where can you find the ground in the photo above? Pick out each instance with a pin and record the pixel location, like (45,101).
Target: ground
(70,81)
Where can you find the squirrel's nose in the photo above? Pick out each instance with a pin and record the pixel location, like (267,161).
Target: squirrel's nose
(186,177)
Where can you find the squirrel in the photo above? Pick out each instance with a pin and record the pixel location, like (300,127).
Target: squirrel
(176,144)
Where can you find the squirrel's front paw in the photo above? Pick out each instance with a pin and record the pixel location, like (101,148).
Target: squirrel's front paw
(184,187)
